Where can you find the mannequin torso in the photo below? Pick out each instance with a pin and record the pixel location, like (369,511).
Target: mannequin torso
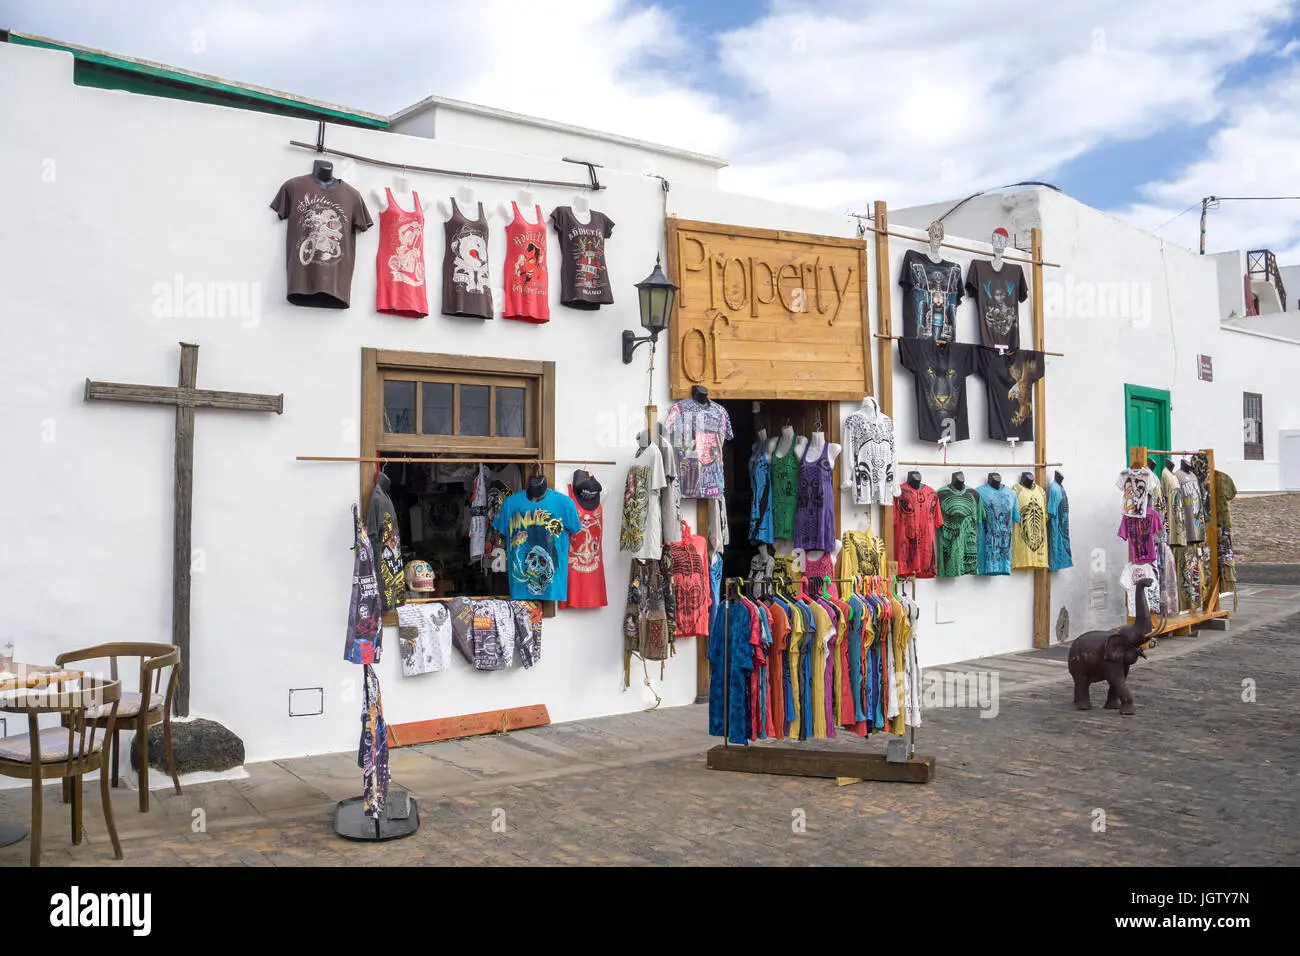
(466,200)
(814,446)
(581,207)
(1027,479)
(958,482)
(995,480)
(762,441)
(782,444)
(914,479)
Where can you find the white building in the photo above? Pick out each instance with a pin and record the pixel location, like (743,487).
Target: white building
(138,222)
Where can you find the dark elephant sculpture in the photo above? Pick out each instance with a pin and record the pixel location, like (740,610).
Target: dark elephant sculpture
(1108,655)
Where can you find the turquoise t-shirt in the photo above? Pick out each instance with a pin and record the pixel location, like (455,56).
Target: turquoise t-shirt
(1058,528)
(537,544)
(1001,511)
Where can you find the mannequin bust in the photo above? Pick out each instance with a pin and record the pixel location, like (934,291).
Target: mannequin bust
(1060,478)
(1169,464)
(761,441)
(642,440)
(581,207)
(1027,479)
(935,232)
(782,443)
(914,479)
(467,200)
(958,481)
(999,242)
(536,487)
(403,194)
(700,394)
(323,172)
(1184,466)
(995,480)
(527,204)
(814,447)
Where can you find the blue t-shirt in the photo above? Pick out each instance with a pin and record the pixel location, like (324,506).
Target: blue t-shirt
(1001,511)
(1058,528)
(537,544)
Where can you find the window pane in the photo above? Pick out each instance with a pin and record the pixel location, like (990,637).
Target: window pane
(436,397)
(399,408)
(474,401)
(510,412)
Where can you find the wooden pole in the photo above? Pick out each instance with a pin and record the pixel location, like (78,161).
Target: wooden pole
(1042,576)
(183,513)
(885,349)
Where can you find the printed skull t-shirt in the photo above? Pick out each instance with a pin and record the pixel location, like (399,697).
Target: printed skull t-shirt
(537,544)
(998,294)
(932,293)
(320,244)
(584,274)
(1009,379)
(940,377)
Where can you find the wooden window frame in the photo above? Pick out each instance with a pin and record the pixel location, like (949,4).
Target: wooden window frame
(377,366)
(1252,451)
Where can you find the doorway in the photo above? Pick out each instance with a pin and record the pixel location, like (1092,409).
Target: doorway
(1146,421)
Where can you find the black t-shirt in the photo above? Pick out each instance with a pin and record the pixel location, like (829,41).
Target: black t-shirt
(584,274)
(932,293)
(940,374)
(1010,378)
(998,294)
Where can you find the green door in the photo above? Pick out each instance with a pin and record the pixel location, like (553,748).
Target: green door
(1146,419)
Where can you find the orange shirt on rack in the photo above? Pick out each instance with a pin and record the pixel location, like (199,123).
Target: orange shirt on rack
(776,667)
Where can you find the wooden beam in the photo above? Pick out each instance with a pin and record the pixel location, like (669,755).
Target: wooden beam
(183,511)
(885,350)
(187,397)
(468,725)
(807,762)
(1042,576)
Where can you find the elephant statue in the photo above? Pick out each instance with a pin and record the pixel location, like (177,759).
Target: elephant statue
(1108,655)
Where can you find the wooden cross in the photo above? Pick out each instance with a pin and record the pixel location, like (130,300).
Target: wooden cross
(186,397)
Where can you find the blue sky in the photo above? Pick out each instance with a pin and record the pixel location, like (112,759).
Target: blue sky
(1136,108)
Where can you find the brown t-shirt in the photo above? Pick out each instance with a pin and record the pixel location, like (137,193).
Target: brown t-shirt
(321,242)
(584,274)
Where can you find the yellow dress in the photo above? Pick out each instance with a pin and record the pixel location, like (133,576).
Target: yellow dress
(902,629)
(796,636)
(837,686)
(824,629)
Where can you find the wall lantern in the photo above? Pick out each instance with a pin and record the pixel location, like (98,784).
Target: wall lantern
(656,295)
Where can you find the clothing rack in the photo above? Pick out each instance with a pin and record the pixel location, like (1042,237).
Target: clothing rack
(462,461)
(925,241)
(983,464)
(878,335)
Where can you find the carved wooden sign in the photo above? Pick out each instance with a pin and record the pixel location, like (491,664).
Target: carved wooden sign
(763,313)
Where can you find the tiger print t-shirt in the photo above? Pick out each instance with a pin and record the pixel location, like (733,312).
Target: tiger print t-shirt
(939,372)
(1029,542)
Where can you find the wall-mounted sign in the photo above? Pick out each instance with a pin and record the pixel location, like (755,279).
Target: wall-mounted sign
(1205,368)
(763,313)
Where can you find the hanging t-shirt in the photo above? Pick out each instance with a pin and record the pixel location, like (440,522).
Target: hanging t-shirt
(760,488)
(1029,543)
(584,274)
(424,637)
(321,245)
(670,501)
(478,500)
(537,544)
(399,264)
(691,584)
(931,293)
(466,283)
(1193,516)
(872,458)
(1172,495)
(386,544)
(1058,528)
(916,518)
(998,294)
(1142,536)
(958,537)
(527,285)
(1001,515)
(1136,484)
(1009,380)
(586,556)
(697,431)
(365,634)
(1128,579)
(642,529)
(939,374)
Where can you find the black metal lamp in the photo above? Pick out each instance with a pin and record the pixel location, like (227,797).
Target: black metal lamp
(656,295)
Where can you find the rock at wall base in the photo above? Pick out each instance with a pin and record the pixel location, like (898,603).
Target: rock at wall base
(197,745)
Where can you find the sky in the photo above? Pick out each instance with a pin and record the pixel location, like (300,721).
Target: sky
(1136,107)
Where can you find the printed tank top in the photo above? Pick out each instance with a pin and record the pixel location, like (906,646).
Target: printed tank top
(785,491)
(466,284)
(399,265)
(527,285)
(814,516)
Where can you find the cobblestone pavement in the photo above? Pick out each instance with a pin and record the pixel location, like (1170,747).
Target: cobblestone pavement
(1266,529)
(1199,777)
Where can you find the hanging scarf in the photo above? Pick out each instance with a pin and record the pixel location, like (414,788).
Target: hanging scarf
(365,629)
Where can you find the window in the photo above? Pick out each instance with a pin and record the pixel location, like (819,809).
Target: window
(1253,425)
(498,413)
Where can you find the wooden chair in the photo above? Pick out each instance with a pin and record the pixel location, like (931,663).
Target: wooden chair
(68,752)
(136,711)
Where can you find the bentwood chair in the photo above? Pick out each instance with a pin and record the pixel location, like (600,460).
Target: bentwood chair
(139,710)
(68,752)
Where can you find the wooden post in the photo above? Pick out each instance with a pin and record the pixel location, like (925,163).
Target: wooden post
(885,350)
(1042,576)
(182,554)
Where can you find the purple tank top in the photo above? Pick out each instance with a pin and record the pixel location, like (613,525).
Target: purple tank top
(814,514)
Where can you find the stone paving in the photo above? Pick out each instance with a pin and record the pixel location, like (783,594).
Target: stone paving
(1266,529)
(1199,777)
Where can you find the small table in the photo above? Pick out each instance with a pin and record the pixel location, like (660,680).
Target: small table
(25,676)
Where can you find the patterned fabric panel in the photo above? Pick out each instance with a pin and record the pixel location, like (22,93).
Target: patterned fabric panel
(129,706)
(53,743)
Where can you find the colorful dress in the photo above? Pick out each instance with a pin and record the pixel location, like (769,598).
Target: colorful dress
(785,491)
(586,557)
(916,518)
(958,536)
(1058,528)
(1001,514)
(814,516)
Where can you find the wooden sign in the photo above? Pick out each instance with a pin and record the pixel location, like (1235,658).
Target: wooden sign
(762,313)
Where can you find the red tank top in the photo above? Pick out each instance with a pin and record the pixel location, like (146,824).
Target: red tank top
(586,559)
(399,265)
(527,288)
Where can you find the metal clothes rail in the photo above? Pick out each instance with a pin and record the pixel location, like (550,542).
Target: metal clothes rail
(983,464)
(482,459)
(942,342)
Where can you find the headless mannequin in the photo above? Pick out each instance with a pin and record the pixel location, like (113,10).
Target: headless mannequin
(914,479)
(958,482)
(1169,464)
(322,171)
(536,487)
(781,444)
(999,243)
(1027,479)
(700,394)
(995,480)
(403,194)
(467,200)
(1185,466)
(762,442)
(813,448)
(581,207)
(935,234)
(1060,478)
(527,204)
(642,440)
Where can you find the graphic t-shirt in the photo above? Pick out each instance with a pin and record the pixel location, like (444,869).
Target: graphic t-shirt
(760,502)
(364,641)
(1029,543)
(1009,379)
(1001,514)
(1136,484)
(584,274)
(586,556)
(916,517)
(932,292)
(939,373)
(466,277)
(872,458)
(1172,508)
(958,536)
(697,431)
(642,528)
(998,294)
(527,286)
(1058,528)
(1193,516)
(537,544)
(399,264)
(386,545)
(1142,536)
(691,584)
(1128,579)
(424,637)
(321,245)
